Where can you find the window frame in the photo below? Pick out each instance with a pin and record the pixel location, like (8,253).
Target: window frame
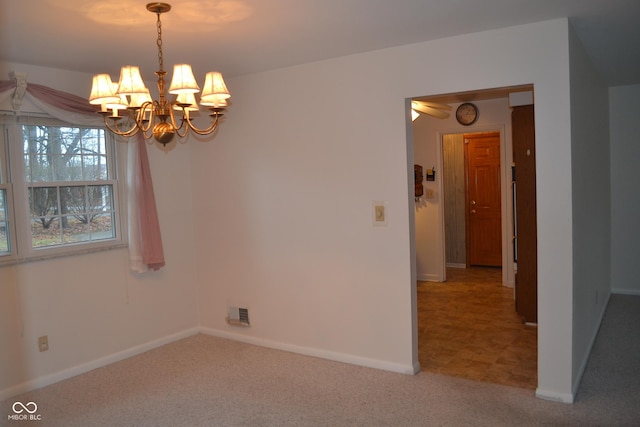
(13,179)
(7,188)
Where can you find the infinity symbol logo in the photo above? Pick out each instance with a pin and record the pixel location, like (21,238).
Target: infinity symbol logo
(22,407)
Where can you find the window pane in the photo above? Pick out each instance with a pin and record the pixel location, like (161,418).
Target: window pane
(55,153)
(72,201)
(94,142)
(102,213)
(72,169)
(95,167)
(43,201)
(3,205)
(100,198)
(45,232)
(4,225)
(101,227)
(75,229)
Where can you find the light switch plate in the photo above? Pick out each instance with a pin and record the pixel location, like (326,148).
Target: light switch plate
(379,210)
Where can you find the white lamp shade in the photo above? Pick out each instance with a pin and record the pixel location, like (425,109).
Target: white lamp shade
(214,89)
(183,80)
(131,81)
(120,104)
(186,99)
(137,99)
(215,103)
(102,90)
(115,104)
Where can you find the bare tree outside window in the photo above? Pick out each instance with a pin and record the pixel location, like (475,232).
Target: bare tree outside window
(70,190)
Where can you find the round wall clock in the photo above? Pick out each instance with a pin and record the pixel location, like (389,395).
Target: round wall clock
(467,114)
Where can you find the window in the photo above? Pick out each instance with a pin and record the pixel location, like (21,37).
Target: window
(5,235)
(4,224)
(65,190)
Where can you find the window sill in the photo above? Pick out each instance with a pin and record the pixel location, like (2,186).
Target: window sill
(8,260)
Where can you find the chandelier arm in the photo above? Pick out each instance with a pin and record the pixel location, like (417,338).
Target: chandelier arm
(185,117)
(116,129)
(147,130)
(140,120)
(182,131)
(148,137)
(216,115)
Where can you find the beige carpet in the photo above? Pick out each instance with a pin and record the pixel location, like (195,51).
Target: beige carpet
(208,381)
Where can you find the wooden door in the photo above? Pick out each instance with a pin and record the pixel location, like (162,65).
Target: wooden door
(523,131)
(484,234)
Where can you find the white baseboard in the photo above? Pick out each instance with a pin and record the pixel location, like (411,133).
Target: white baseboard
(635,292)
(46,380)
(554,396)
(585,359)
(428,278)
(64,374)
(456,265)
(314,352)
(570,397)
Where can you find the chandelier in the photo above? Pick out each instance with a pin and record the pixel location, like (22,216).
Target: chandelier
(127,107)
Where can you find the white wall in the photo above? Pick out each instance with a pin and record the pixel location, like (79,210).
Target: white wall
(290,182)
(625,197)
(282,203)
(591,203)
(495,115)
(90,306)
(285,219)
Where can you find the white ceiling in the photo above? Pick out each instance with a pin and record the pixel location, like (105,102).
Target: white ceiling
(245,36)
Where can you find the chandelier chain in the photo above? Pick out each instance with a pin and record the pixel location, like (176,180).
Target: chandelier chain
(159,43)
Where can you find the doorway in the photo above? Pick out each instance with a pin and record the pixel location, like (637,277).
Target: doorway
(495,109)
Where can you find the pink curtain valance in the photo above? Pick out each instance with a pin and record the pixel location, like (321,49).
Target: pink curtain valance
(56,98)
(63,100)
(148,239)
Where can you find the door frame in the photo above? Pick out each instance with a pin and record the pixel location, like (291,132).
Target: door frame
(506,198)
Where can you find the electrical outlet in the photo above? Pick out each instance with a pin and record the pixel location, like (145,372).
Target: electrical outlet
(43,343)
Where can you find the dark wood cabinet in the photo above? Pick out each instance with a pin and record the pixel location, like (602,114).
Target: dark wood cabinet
(524,158)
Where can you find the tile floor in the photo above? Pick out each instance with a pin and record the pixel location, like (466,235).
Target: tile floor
(468,327)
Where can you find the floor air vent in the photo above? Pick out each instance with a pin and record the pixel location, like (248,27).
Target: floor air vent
(238,316)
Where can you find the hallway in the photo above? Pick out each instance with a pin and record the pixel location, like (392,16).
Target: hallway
(468,327)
